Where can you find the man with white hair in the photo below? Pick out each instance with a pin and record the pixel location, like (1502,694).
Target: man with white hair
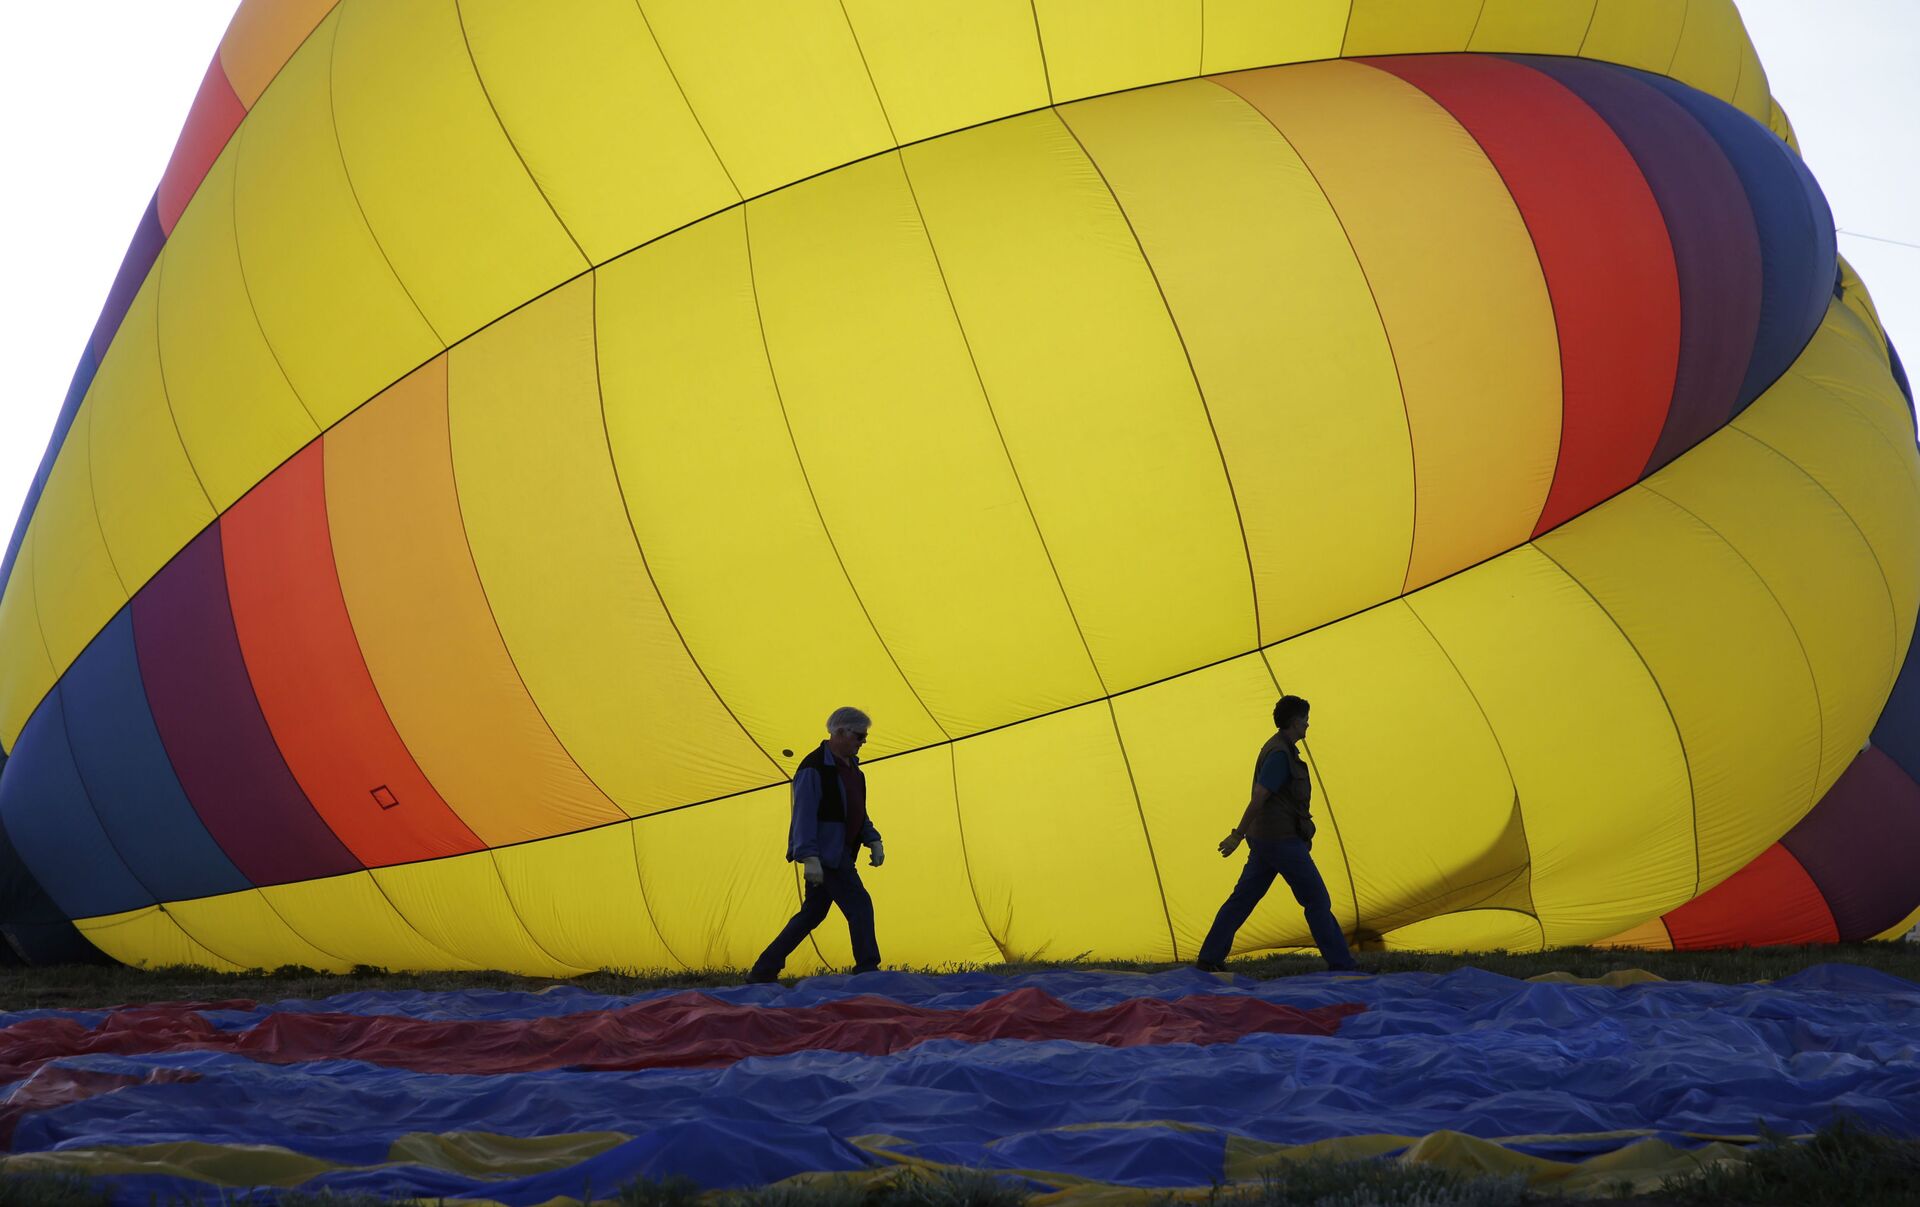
(830,825)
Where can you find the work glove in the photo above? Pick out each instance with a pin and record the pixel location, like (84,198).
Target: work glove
(877,854)
(1230,843)
(811,870)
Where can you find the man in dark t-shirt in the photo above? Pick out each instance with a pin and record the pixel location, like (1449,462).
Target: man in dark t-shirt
(1278,829)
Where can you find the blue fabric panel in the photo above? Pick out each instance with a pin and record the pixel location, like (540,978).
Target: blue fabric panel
(47,814)
(1897,732)
(127,774)
(76,390)
(1798,253)
(142,250)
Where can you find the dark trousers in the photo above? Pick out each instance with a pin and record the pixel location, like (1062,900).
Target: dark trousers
(1292,859)
(839,886)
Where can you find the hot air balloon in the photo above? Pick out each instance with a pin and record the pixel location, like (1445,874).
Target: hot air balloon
(517,426)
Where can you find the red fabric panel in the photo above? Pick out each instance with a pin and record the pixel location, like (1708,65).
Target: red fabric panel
(215,115)
(1604,249)
(49,1088)
(313,685)
(1770,902)
(682,1030)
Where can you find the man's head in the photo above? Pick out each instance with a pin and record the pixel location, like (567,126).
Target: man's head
(847,732)
(1290,717)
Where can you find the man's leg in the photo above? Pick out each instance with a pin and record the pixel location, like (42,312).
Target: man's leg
(1255,878)
(857,907)
(813,910)
(1295,858)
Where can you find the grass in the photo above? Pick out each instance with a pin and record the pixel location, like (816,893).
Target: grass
(84,986)
(1842,1163)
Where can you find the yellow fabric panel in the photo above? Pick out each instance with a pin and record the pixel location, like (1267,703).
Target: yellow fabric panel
(1708,55)
(1752,95)
(1818,566)
(1191,744)
(561,572)
(1650,935)
(681,358)
(1256,33)
(148,938)
(1900,931)
(1848,360)
(586,98)
(1469,930)
(145,492)
(1086,374)
(1409,27)
(1460,292)
(1726,660)
(1609,814)
(1278,319)
(237,414)
(939,65)
(339,321)
(429,638)
(1638,33)
(459,905)
(1095,46)
(1781,127)
(464,226)
(349,914)
(76,588)
(719,882)
(1055,844)
(900,448)
(1409,774)
(579,897)
(244,928)
(261,37)
(23,648)
(922,900)
(780,89)
(1859,300)
(1532,26)
(488,1155)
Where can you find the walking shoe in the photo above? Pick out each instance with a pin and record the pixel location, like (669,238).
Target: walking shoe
(1209,966)
(762,978)
(1350,969)
(860,968)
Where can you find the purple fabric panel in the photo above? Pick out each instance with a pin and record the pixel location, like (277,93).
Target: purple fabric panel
(214,731)
(1716,247)
(141,253)
(1858,846)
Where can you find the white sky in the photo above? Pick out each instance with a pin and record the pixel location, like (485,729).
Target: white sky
(96,90)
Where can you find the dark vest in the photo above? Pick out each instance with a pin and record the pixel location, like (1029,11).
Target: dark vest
(1285,815)
(833,802)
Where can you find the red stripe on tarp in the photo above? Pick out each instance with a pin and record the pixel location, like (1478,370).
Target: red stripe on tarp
(684,1030)
(215,115)
(48,1088)
(1604,249)
(312,680)
(1769,903)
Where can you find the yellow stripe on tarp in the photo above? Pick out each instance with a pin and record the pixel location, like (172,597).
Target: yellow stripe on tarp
(1460,293)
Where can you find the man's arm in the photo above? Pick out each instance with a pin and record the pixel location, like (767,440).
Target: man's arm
(803,842)
(1261,794)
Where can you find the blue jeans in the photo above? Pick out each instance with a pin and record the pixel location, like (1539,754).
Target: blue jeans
(838,886)
(1292,859)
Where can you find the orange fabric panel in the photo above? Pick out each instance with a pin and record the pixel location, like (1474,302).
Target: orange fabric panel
(262,37)
(312,682)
